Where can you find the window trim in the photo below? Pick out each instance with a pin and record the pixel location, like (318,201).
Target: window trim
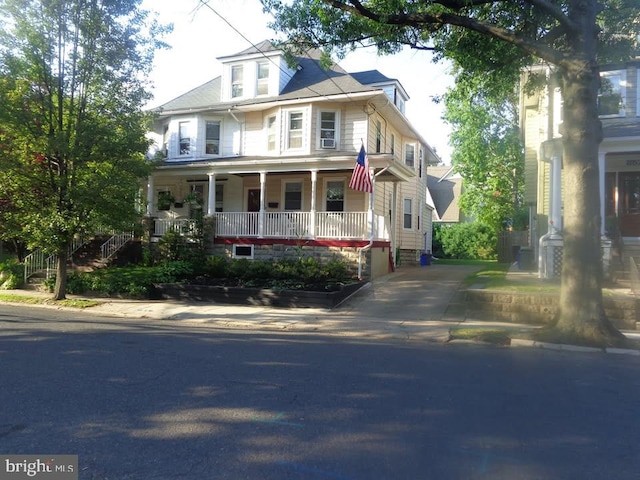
(276,147)
(325,190)
(406,151)
(296,181)
(220,125)
(262,81)
(622,111)
(242,245)
(404,213)
(336,128)
(237,82)
(290,113)
(189,124)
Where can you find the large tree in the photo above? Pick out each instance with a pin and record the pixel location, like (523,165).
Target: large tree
(487,147)
(72,129)
(572,36)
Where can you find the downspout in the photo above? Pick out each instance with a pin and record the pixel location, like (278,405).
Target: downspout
(370,244)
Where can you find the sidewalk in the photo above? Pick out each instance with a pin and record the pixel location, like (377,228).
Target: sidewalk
(413,303)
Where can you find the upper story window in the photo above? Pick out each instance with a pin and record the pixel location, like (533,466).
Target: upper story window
(328,129)
(612,95)
(392,144)
(237,81)
(378,136)
(262,87)
(184,133)
(294,131)
(165,141)
(420,161)
(212,138)
(409,155)
(271,133)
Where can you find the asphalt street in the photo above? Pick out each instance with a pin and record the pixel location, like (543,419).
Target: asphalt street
(145,398)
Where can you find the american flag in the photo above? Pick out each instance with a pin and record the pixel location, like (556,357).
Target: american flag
(361,177)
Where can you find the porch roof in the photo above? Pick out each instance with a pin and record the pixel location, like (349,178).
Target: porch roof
(385,166)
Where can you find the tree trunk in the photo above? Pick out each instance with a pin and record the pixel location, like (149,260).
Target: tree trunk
(582,314)
(60,289)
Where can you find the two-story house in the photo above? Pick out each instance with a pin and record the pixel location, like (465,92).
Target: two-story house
(619,163)
(267,150)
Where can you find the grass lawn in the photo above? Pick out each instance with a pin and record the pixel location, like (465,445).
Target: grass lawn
(40,300)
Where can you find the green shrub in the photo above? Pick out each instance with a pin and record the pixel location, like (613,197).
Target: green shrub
(215,267)
(11,274)
(465,240)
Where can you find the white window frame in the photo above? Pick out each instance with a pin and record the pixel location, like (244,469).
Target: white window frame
(219,122)
(392,144)
(262,81)
(336,129)
(290,113)
(622,75)
(411,146)
(326,182)
(292,181)
(237,84)
(234,253)
(275,148)
(405,213)
(189,131)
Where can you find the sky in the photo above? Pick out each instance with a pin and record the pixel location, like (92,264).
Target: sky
(201,35)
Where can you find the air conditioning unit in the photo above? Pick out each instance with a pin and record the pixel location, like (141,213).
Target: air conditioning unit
(328,142)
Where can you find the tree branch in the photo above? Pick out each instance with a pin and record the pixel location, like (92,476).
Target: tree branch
(419,20)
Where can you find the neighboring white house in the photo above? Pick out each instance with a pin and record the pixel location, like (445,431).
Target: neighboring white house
(267,150)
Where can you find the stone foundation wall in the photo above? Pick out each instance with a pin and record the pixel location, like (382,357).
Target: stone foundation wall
(541,308)
(324,255)
(408,257)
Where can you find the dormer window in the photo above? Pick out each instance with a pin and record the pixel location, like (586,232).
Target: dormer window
(212,137)
(237,81)
(263,78)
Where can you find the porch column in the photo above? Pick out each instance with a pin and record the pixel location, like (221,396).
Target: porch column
(312,212)
(261,215)
(150,188)
(394,223)
(556,193)
(211,198)
(603,193)
(370,209)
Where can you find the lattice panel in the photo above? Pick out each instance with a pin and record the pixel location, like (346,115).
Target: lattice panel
(557,261)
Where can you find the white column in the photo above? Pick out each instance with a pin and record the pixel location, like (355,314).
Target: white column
(150,191)
(312,211)
(261,215)
(211,198)
(603,193)
(556,193)
(370,209)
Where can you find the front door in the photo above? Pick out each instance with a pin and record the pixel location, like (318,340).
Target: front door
(253,200)
(629,203)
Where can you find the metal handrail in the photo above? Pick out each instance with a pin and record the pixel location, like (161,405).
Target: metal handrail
(115,243)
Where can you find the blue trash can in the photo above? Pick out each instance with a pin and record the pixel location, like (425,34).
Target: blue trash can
(425,259)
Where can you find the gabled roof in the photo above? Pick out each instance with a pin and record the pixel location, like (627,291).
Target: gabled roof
(309,81)
(263,47)
(372,76)
(444,187)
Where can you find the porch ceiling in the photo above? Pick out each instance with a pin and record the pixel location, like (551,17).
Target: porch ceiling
(385,165)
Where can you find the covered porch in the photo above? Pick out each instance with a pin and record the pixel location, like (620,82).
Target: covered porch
(295,199)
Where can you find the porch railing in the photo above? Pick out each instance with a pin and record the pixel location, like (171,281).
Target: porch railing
(115,243)
(185,226)
(37,261)
(290,225)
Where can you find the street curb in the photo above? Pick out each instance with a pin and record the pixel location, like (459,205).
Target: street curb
(519,342)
